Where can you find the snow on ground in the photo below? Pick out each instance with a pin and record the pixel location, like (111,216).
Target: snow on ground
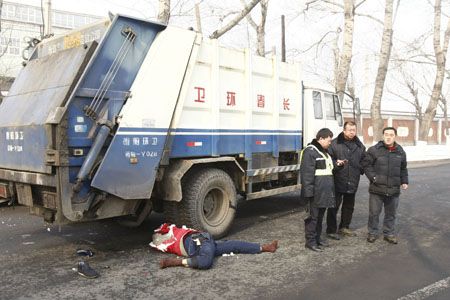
(427,152)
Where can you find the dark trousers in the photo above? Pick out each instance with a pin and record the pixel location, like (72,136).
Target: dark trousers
(202,256)
(376,203)
(313,225)
(348,206)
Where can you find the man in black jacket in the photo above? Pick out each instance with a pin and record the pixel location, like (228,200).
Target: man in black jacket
(346,147)
(386,168)
(316,171)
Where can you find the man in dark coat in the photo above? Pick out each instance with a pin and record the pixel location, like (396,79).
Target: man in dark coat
(316,171)
(346,147)
(386,168)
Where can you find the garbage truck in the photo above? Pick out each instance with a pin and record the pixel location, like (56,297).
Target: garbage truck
(127,116)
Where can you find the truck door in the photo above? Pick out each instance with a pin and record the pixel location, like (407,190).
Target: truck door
(321,109)
(333,119)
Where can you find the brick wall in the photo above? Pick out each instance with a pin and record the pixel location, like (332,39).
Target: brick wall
(405,131)
(366,125)
(433,139)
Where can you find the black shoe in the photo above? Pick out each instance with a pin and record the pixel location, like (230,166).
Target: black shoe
(322,244)
(314,248)
(391,239)
(371,238)
(83,252)
(86,271)
(334,236)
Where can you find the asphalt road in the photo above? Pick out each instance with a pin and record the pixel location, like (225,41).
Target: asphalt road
(36,259)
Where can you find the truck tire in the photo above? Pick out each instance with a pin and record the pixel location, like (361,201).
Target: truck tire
(144,209)
(171,212)
(209,202)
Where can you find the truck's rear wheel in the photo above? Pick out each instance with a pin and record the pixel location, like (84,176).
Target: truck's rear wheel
(209,202)
(142,212)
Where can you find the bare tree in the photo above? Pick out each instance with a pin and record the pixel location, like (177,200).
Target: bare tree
(385,53)
(5,64)
(219,32)
(342,56)
(345,57)
(259,28)
(440,51)
(413,90)
(336,52)
(164,11)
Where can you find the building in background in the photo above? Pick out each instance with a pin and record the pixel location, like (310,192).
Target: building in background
(21,22)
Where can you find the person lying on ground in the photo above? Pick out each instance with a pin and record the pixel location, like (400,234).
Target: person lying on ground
(199,248)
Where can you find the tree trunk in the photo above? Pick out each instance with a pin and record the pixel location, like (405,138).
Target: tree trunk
(336,52)
(385,53)
(164,11)
(219,32)
(261,29)
(198,18)
(440,53)
(346,53)
(447,125)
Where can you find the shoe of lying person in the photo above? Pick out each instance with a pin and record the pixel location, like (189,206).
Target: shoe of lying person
(86,271)
(391,239)
(347,232)
(334,236)
(314,248)
(371,238)
(85,252)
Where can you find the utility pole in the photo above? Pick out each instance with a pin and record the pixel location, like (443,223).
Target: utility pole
(47,17)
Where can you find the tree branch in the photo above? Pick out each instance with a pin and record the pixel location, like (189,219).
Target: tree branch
(320,41)
(233,12)
(307,4)
(218,33)
(370,17)
(360,3)
(446,38)
(333,3)
(249,17)
(413,61)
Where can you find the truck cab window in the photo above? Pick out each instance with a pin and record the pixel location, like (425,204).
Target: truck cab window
(337,109)
(317,100)
(329,106)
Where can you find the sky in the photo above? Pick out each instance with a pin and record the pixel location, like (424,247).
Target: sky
(304,28)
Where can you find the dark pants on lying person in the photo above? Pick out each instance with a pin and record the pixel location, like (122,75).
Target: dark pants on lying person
(348,205)
(376,203)
(313,225)
(202,256)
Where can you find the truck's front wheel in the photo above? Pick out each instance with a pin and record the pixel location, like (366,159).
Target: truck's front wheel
(209,201)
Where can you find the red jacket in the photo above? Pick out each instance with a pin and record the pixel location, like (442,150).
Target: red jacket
(174,244)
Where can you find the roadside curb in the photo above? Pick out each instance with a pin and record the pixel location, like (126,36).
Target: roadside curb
(425,163)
